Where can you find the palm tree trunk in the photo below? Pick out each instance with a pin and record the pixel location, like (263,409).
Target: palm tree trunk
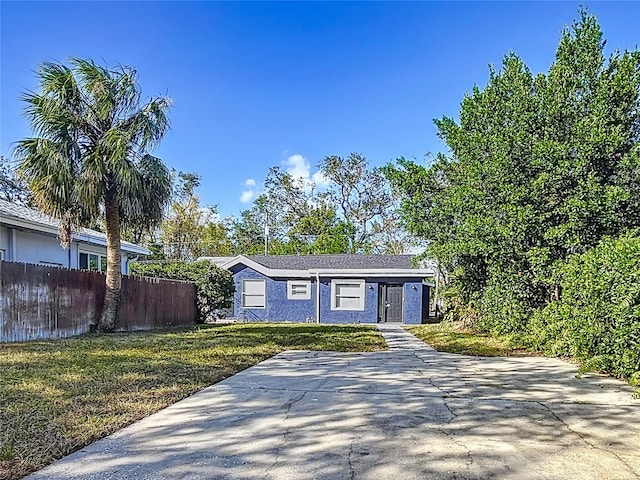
(109,314)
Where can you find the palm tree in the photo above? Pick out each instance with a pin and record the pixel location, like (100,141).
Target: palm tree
(89,157)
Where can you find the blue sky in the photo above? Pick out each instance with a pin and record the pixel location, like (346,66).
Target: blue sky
(257,85)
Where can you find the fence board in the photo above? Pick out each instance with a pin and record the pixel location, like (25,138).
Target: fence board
(40,302)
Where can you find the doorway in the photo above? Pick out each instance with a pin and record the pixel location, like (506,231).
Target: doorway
(390,303)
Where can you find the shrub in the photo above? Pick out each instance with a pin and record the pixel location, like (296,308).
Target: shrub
(597,319)
(505,306)
(214,285)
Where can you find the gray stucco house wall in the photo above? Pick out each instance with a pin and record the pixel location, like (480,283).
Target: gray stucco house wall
(353,288)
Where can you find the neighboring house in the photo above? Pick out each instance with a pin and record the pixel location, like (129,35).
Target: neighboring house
(353,288)
(28,236)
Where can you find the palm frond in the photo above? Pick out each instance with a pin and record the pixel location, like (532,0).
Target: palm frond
(126,92)
(147,207)
(150,124)
(92,138)
(48,173)
(96,82)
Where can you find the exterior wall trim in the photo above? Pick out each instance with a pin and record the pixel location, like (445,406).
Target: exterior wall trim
(362,285)
(243,294)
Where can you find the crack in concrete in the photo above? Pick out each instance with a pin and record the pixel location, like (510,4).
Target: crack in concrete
(453,415)
(443,394)
(287,431)
(291,403)
(431,382)
(352,472)
(585,440)
(349,392)
(452,437)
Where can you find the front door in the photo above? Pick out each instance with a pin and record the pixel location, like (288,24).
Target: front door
(393,303)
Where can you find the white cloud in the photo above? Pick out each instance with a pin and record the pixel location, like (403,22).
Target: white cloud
(247,196)
(295,165)
(319,179)
(249,193)
(299,168)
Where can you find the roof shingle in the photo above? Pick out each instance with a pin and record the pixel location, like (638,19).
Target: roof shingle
(344,261)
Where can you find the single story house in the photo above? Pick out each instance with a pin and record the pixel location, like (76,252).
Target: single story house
(29,236)
(329,288)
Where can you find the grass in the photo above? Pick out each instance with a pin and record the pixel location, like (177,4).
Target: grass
(447,337)
(58,396)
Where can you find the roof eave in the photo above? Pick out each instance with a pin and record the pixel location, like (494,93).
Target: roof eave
(13,221)
(374,272)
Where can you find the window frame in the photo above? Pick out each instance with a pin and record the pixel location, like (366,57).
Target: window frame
(334,294)
(291,295)
(98,264)
(243,294)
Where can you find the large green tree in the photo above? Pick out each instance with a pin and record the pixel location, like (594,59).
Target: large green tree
(353,211)
(298,219)
(191,230)
(362,196)
(305,220)
(539,168)
(90,156)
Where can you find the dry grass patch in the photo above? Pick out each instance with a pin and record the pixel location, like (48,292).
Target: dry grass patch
(58,396)
(449,337)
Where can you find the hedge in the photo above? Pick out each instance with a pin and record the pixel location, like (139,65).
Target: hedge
(597,319)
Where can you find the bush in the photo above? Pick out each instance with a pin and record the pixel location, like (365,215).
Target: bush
(214,285)
(505,305)
(597,319)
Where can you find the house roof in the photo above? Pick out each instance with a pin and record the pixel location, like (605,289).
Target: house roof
(219,261)
(306,266)
(345,261)
(20,216)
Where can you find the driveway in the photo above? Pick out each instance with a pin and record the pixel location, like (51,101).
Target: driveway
(407,413)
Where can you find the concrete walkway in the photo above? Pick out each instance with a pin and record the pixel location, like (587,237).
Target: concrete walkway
(407,413)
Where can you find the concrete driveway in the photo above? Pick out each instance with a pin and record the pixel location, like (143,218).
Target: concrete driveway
(408,413)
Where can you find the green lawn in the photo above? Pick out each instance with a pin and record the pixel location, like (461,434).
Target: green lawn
(447,337)
(58,396)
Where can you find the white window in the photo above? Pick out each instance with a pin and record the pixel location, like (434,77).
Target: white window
(253,293)
(299,290)
(1,254)
(347,295)
(92,261)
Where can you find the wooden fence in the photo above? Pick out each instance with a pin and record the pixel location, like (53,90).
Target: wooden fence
(39,302)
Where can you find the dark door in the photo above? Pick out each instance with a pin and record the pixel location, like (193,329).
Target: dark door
(393,310)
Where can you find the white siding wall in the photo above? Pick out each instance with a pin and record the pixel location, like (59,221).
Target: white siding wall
(4,241)
(39,249)
(42,249)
